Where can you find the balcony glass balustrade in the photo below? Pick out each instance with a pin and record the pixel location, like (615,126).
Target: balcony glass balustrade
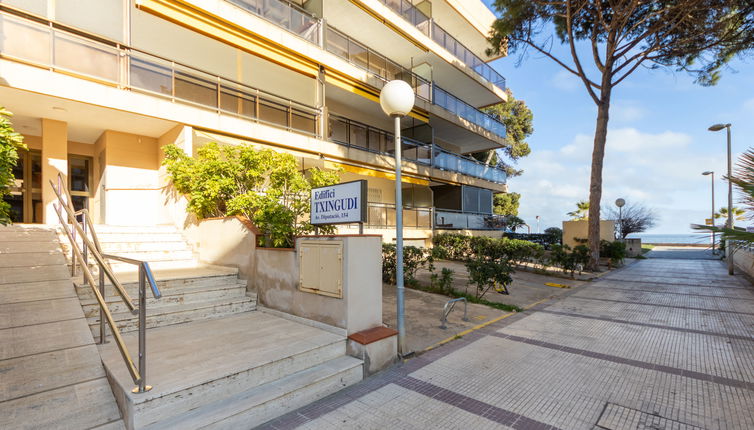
(430,28)
(286,15)
(383,215)
(361,136)
(459,107)
(117,65)
(380,66)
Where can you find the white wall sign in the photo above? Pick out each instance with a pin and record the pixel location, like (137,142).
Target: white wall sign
(339,204)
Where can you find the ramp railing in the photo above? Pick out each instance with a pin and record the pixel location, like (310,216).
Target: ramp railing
(73,228)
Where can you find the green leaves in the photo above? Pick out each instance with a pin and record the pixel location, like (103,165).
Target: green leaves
(262,185)
(10,143)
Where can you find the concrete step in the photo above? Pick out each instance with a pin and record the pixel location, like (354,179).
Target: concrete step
(105,228)
(269,401)
(119,247)
(247,366)
(165,315)
(105,237)
(188,296)
(148,255)
(155,265)
(167,287)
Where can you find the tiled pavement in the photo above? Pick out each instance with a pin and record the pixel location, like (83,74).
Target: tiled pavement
(660,344)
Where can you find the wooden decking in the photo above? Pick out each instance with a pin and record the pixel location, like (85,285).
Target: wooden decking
(51,375)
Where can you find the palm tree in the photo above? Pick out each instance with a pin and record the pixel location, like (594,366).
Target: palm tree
(738,213)
(581,213)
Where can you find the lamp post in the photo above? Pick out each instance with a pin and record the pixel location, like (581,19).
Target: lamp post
(729,223)
(710,172)
(620,203)
(537,224)
(397,100)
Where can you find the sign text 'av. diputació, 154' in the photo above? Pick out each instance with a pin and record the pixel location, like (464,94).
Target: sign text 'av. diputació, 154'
(339,204)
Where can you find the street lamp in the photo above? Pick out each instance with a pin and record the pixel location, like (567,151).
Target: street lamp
(620,203)
(710,172)
(537,224)
(397,100)
(729,223)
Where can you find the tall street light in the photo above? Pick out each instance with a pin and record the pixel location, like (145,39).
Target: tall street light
(729,223)
(397,100)
(710,172)
(620,203)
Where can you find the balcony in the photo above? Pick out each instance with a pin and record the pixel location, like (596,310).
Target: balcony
(430,28)
(286,15)
(301,23)
(459,107)
(379,65)
(452,220)
(74,53)
(354,134)
(383,215)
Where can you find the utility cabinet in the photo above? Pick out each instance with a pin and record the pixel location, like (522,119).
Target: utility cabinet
(321,267)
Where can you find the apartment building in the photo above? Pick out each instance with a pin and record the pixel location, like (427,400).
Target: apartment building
(99,86)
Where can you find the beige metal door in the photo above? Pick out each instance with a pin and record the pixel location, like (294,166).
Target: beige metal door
(321,267)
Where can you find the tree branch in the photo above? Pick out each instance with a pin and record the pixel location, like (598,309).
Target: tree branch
(572,43)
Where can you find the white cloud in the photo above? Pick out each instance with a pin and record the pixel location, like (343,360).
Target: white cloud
(659,170)
(626,112)
(749,106)
(566,81)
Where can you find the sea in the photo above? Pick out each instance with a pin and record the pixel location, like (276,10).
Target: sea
(681,239)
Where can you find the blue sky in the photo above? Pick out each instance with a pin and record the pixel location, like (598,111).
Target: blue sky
(658,143)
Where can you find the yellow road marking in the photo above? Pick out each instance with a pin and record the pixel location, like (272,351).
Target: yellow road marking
(552,284)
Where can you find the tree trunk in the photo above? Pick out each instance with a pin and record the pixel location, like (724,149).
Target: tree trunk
(595,186)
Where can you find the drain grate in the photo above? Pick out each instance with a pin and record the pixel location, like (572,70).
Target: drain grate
(617,417)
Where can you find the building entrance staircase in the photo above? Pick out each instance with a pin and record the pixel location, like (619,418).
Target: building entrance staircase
(212,358)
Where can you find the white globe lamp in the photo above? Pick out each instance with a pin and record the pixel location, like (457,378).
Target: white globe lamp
(397,98)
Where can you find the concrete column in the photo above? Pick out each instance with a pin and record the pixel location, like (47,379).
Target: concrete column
(54,161)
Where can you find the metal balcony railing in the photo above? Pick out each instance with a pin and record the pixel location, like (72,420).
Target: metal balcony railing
(358,135)
(287,15)
(54,47)
(459,107)
(430,28)
(452,219)
(379,65)
(383,215)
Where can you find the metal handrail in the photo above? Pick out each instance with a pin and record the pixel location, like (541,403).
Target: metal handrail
(448,308)
(93,245)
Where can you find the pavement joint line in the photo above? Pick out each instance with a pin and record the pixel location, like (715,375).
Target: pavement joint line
(472,405)
(658,326)
(690,308)
(630,362)
(687,285)
(676,293)
(481,326)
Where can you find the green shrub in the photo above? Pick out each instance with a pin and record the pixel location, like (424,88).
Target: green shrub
(265,186)
(443,281)
(414,258)
(10,143)
(615,251)
(453,246)
(487,273)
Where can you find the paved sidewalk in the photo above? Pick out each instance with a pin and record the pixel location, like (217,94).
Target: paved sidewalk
(661,344)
